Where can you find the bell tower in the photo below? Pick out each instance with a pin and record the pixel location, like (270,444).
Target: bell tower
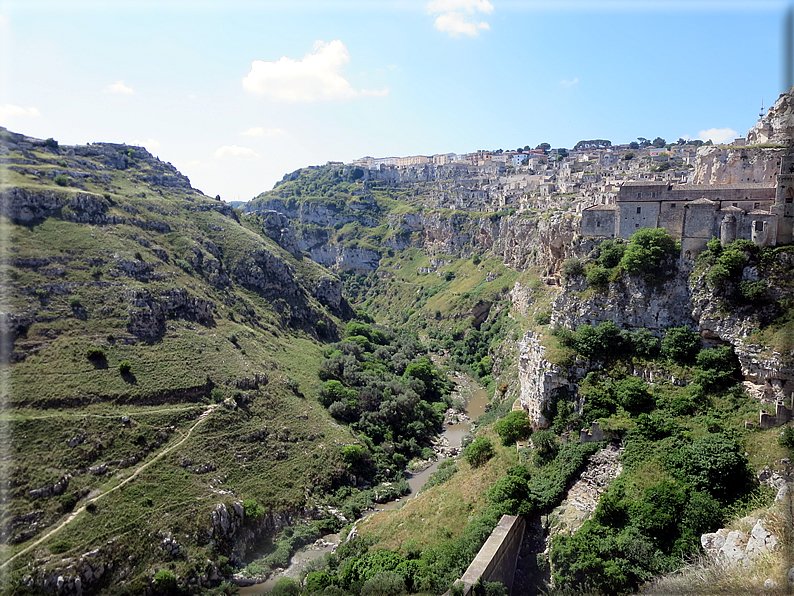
(784,199)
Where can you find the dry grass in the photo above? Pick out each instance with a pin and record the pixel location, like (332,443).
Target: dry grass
(441,513)
(707,576)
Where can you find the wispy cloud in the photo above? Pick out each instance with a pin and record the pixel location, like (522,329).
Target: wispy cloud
(119,88)
(149,143)
(571,83)
(7,111)
(258,131)
(234,151)
(718,135)
(317,77)
(457,16)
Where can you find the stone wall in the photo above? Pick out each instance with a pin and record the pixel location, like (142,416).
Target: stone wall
(496,561)
(538,377)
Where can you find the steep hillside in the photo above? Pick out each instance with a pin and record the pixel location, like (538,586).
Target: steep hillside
(158,351)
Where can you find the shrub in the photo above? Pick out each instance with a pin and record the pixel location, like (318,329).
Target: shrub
(786,438)
(571,268)
(733,261)
(598,277)
(543,317)
(51,143)
(753,292)
(125,367)
(75,301)
(610,253)
(95,353)
(61,180)
(680,344)
(286,586)
(384,583)
(184,265)
(646,250)
(513,427)
(253,510)
(479,452)
(165,582)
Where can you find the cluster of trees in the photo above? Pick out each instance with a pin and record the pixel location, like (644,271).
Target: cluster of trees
(469,352)
(724,267)
(383,384)
(648,252)
(638,533)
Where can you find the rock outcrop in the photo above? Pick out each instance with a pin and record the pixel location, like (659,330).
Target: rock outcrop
(778,124)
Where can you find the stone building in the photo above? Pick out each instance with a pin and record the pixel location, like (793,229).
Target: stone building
(695,213)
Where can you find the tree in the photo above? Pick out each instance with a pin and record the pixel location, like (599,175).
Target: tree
(634,145)
(544,146)
(571,268)
(644,142)
(513,427)
(659,142)
(286,586)
(510,496)
(717,464)
(680,344)
(646,250)
(479,452)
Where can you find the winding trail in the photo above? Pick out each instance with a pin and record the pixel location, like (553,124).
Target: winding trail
(131,477)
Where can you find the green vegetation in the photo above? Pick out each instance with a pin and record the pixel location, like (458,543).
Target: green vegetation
(513,427)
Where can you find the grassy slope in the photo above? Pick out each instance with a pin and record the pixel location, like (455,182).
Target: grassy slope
(55,394)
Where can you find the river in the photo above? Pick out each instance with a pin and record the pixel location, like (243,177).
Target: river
(475,398)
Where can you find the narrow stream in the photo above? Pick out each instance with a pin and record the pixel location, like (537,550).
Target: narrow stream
(475,399)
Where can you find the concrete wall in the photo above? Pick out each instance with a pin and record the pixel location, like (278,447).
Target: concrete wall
(496,561)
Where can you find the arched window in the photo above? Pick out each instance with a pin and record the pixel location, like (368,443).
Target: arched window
(790,194)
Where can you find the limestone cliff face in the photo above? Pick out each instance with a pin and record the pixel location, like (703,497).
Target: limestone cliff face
(630,303)
(538,377)
(737,165)
(778,124)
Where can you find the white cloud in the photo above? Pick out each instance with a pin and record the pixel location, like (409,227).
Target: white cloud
(469,6)
(149,143)
(456,16)
(718,135)
(316,77)
(119,88)
(567,83)
(235,151)
(8,111)
(258,131)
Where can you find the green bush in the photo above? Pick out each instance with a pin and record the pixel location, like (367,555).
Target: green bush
(286,586)
(786,438)
(384,583)
(253,510)
(680,344)
(479,452)
(95,353)
(753,292)
(646,250)
(125,366)
(598,277)
(75,301)
(165,582)
(61,180)
(571,268)
(513,427)
(610,253)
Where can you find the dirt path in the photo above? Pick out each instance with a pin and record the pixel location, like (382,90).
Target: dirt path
(131,477)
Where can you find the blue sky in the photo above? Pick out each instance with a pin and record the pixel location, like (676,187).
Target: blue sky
(238,93)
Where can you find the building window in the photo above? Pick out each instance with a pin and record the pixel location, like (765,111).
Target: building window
(756,205)
(639,195)
(672,205)
(636,225)
(598,224)
(759,226)
(735,204)
(790,195)
(639,209)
